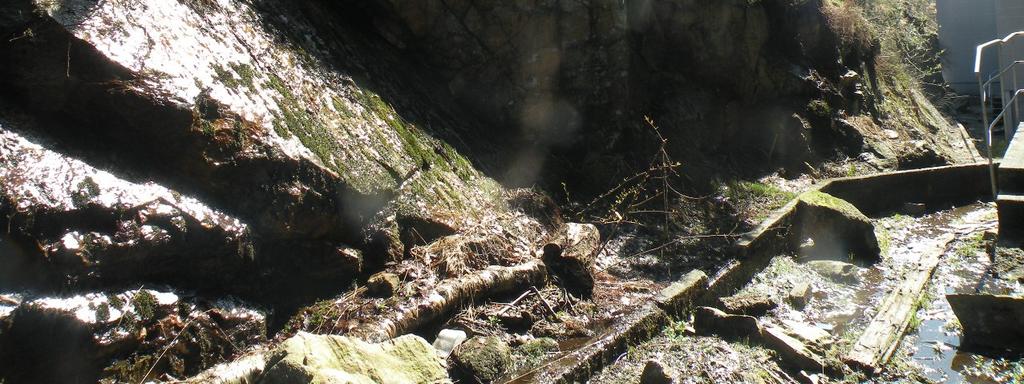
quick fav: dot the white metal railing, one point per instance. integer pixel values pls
(984, 89)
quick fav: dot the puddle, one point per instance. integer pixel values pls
(935, 345)
(964, 269)
(846, 309)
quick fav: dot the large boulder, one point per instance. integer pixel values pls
(308, 358)
(827, 227)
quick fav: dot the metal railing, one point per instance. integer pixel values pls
(984, 88)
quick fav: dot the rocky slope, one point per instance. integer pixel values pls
(284, 152)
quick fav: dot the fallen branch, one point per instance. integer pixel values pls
(449, 296)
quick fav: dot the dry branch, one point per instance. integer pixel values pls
(449, 296)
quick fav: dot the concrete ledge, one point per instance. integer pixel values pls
(938, 188)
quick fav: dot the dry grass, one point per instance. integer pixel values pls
(847, 20)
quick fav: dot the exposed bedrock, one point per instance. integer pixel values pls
(205, 98)
(125, 336)
(767, 84)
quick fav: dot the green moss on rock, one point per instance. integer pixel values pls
(483, 358)
(822, 199)
(309, 358)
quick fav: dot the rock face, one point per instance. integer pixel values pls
(247, 122)
(307, 358)
(92, 227)
(77, 336)
(837, 229)
(569, 80)
(483, 359)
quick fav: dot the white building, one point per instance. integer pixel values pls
(964, 24)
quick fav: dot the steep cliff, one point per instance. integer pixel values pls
(291, 152)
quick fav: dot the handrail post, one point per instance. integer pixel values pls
(1016, 111)
(1004, 101)
(988, 136)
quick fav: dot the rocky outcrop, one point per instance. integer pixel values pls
(90, 228)
(772, 82)
(205, 98)
(129, 336)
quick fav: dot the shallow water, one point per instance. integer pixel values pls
(935, 345)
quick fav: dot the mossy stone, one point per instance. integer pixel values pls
(483, 359)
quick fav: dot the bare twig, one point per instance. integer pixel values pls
(545, 301)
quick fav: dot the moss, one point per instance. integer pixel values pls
(485, 358)
(102, 313)
(970, 246)
(116, 301)
(756, 200)
(294, 119)
(130, 370)
(884, 239)
(819, 108)
(145, 305)
(87, 189)
(246, 75)
(823, 199)
(224, 76)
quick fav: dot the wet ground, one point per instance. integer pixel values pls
(930, 352)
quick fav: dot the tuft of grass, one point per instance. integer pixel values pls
(847, 21)
(756, 200)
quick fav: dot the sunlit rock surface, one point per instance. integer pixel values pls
(208, 98)
(90, 227)
(123, 336)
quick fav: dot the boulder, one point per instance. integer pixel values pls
(748, 304)
(306, 358)
(800, 295)
(571, 254)
(792, 351)
(707, 320)
(483, 359)
(383, 284)
(657, 373)
(836, 228)
(993, 321)
(836, 270)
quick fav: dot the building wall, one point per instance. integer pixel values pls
(963, 24)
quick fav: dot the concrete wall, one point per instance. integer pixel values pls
(963, 24)
(1010, 19)
(938, 188)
